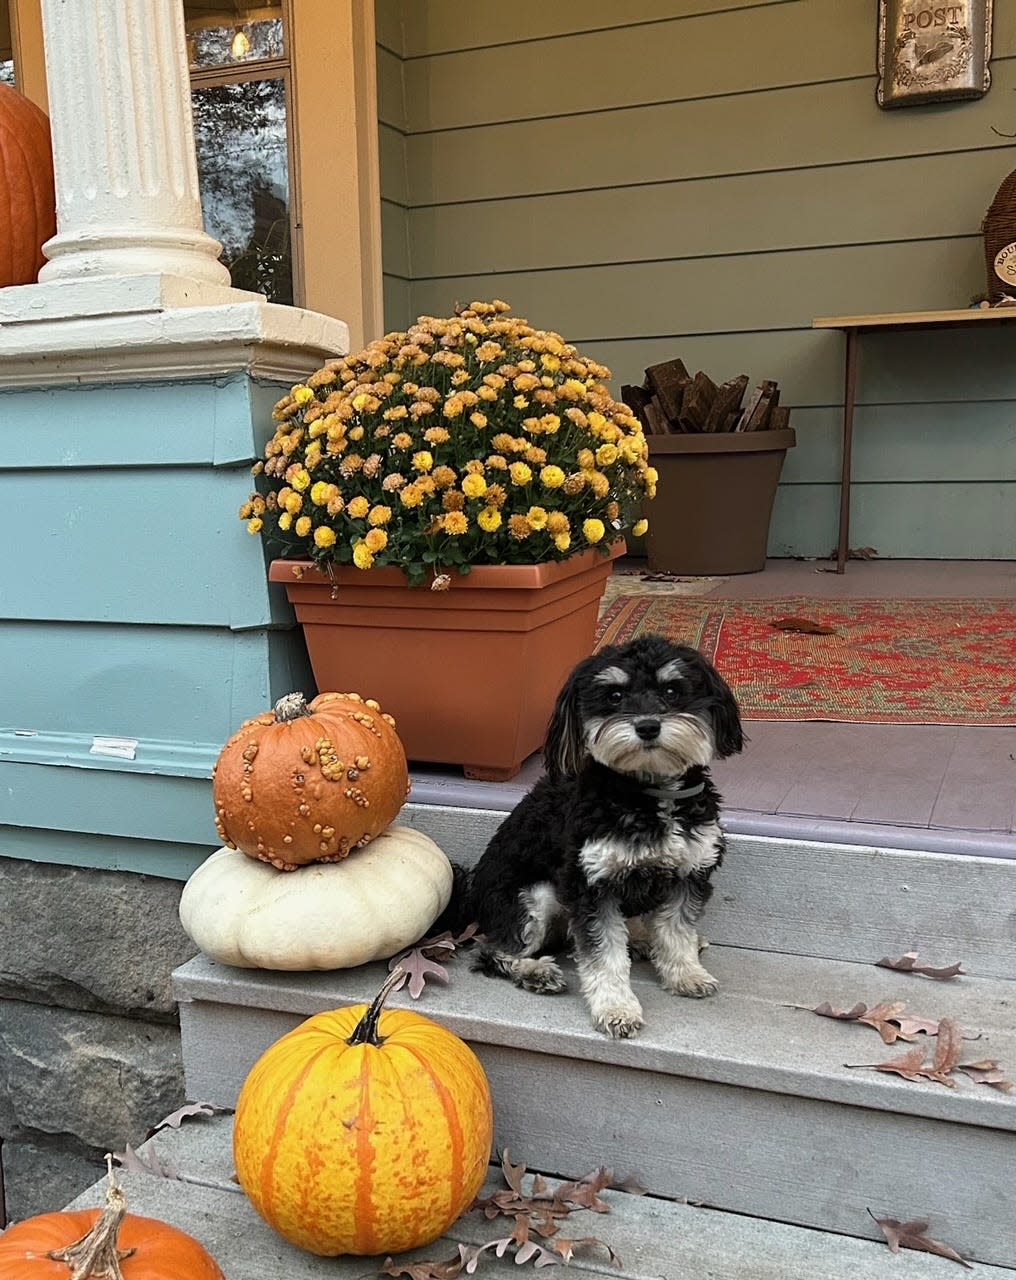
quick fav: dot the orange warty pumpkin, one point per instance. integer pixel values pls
(111, 1243)
(309, 783)
(27, 195)
(363, 1132)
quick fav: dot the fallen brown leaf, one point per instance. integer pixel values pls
(987, 1071)
(446, 1270)
(176, 1118)
(149, 1163)
(421, 962)
(907, 963)
(805, 625)
(909, 1065)
(910, 1235)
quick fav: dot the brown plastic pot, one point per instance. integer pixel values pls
(714, 500)
(470, 674)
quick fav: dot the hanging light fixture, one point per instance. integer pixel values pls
(241, 44)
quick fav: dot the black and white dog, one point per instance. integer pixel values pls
(624, 825)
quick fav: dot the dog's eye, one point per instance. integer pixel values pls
(614, 697)
(671, 691)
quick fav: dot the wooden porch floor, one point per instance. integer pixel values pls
(935, 787)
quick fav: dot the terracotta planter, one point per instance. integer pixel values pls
(714, 500)
(470, 674)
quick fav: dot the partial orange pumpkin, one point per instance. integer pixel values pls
(111, 1243)
(27, 193)
(364, 1131)
(308, 783)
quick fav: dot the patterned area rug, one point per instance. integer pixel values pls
(889, 662)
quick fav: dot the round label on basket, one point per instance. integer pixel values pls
(1005, 264)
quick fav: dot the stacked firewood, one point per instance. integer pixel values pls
(671, 400)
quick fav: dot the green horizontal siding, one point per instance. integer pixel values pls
(702, 180)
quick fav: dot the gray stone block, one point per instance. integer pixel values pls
(104, 1079)
(88, 939)
(40, 1176)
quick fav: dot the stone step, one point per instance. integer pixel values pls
(742, 1102)
(813, 898)
(654, 1238)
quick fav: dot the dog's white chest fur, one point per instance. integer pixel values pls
(677, 851)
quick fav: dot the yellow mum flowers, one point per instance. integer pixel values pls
(475, 439)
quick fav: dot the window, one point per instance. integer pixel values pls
(240, 71)
(6, 45)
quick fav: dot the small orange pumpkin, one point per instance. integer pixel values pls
(363, 1132)
(110, 1243)
(27, 195)
(306, 783)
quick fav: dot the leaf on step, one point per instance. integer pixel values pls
(513, 1173)
(907, 963)
(909, 1065)
(566, 1248)
(986, 1072)
(910, 1235)
(149, 1163)
(805, 625)
(947, 1053)
(446, 1270)
(883, 1017)
(176, 1118)
(421, 962)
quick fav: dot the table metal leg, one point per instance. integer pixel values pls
(849, 384)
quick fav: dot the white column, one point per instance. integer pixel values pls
(123, 144)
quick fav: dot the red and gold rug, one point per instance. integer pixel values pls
(889, 661)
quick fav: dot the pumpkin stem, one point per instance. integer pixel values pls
(366, 1029)
(96, 1255)
(291, 707)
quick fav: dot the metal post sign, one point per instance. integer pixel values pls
(931, 52)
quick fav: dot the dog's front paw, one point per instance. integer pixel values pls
(620, 1022)
(694, 981)
(542, 975)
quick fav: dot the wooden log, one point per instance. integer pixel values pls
(727, 400)
(698, 400)
(656, 419)
(636, 398)
(779, 418)
(668, 383)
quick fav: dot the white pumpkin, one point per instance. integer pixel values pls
(371, 905)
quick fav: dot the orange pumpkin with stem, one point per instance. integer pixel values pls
(364, 1131)
(27, 195)
(109, 1244)
(308, 783)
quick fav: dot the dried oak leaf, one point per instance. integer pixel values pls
(176, 1118)
(446, 1270)
(883, 1017)
(910, 1235)
(907, 963)
(805, 625)
(149, 1163)
(421, 962)
(987, 1071)
(911, 1065)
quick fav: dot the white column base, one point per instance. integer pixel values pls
(155, 326)
(86, 254)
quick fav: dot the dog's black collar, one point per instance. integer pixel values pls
(667, 788)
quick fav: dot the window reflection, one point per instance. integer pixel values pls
(226, 33)
(6, 45)
(243, 165)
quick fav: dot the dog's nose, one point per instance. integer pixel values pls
(647, 730)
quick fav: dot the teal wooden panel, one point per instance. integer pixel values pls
(174, 685)
(923, 197)
(946, 521)
(441, 26)
(111, 853)
(110, 802)
(140, 545)
(128, 425)
(798, 127)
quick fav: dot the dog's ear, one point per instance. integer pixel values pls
(565, 749)
(725, 713)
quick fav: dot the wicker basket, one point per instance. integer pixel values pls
(999, 228)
